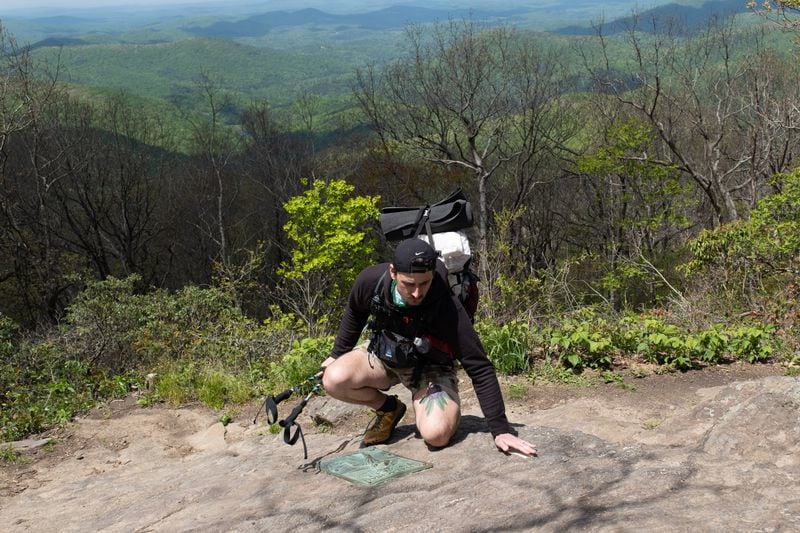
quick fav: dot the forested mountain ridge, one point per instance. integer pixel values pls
(395, 17)
(693, 16)
(233, 20)
(280, 54)
(168, 70)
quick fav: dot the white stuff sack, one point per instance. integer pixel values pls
(453, 248)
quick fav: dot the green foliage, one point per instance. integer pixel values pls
(177, 383)
(709, 345)
(9, 455)
(635, 201)
(667, 344)
(658, 342)
(328, 230)
(583, 342)
(765, 246)
(301, 362)
(101, 324)
(200, 346)
(226, 418)
(752, 343)
(331, 244)
(508, 289)
(219, 388)
(40, 388)
(586, 340)
(508, 346)
(114, 329)
(167, 70)
(214, 386)
(8, 332)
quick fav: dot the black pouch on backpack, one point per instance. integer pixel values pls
(394, 350)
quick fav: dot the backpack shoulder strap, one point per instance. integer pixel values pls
(378, 288)
(377, 307)
(424, 222)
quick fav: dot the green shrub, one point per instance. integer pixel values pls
(102, 323)
(657, 342)
(301, 362)
(710, 345)
(42, 388)
(667, 344)
(508, 346)
(752, 343)
(9, 455)
(218, 388)
(583, 341)
(757, 253)
(196, 340)
(8, 332)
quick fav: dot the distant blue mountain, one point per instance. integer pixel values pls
(692, 17)
(63, 19)
(392, 17)
(57, 42)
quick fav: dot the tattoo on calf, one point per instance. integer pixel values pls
(434, 396)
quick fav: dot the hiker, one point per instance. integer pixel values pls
(418, 328)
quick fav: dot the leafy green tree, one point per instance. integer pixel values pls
(630, 207)
(767, 246)
(331, 243)
(692, 89)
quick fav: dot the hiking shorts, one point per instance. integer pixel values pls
(443, 376)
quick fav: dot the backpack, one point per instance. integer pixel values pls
(442, 223)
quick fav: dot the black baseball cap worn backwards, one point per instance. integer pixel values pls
(414, 256)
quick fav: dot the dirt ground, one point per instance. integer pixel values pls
(705, 450)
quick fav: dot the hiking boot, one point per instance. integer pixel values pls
(380, 430)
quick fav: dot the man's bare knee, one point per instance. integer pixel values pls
(335, 379)
(437, 433)
(438, 438)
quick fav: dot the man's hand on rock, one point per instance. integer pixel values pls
(508, 443)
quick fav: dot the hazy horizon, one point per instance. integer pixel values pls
(64, 6)
(36, 7)
(83, 4)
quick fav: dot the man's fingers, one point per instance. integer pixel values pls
(511, 444)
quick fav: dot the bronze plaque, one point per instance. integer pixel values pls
(371, 466)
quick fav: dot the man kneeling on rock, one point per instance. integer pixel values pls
(418, 330)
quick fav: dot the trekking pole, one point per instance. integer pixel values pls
(289, 437)
(271, 406)
(271, 402)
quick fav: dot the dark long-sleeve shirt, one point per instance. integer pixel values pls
(449, 322)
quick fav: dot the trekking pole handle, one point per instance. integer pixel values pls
(282, 396)
(295, 412)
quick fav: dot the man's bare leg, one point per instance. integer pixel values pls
(438, 411)
(355, 378)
